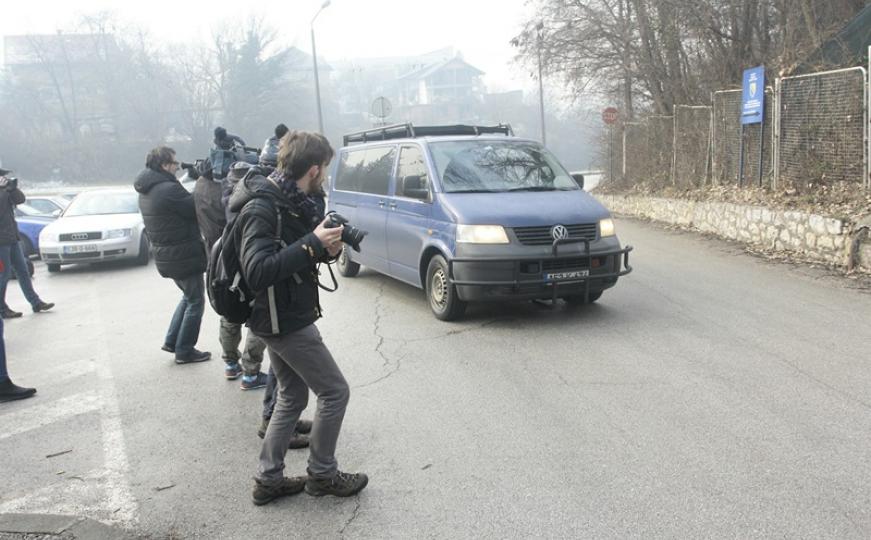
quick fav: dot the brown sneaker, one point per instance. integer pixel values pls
(341, 485)
(263, 493)
(298, 441)
(303, 426)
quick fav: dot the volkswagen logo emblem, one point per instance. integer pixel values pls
(559, 232)
(79, 236)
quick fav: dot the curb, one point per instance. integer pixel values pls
(78, 527)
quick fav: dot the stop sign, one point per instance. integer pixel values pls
(610, 115)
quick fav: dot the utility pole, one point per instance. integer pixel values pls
(315, 61)
(540, 28)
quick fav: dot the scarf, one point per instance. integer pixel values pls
(301, 202)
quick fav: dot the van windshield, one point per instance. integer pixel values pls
(476, 166)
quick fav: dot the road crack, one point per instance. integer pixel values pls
(352, 518)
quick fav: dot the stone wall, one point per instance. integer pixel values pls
(813, 236)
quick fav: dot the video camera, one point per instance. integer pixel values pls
(12, 183)
(350, 235)
(195, 166)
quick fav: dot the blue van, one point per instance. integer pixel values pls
(472, 214)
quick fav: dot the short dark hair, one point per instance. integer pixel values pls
(300, 150)
(158, 157)
(281, 130)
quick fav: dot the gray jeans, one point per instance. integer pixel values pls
(230, 337)
(301, 361)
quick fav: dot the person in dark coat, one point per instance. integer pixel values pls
(170, 217)
(11, 254)
(269, 152)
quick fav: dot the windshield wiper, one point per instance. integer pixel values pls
(477, 191)
(534, 188)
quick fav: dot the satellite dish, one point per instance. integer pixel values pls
(381, 107)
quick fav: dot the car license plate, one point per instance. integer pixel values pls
(83, 248)
(562, 276)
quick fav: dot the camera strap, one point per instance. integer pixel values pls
(332, 276)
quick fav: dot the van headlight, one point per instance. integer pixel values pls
(606, 227)
(119, 233)
(481, 234)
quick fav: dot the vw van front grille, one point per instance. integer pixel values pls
(541, 236)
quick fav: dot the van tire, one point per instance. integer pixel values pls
(441, 293)
(578, 299)
(347, 267)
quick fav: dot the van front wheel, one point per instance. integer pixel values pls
(442, 294)
(347, 267)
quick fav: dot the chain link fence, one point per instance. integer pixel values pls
(726, 155)
(647, 150)
(815, 132)
(822, 119)
(692, 139)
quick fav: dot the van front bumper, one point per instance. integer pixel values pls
(482, 273)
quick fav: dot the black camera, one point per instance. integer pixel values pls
(12, 183)
(350, 235)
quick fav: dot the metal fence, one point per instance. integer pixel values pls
(692, 145)
(726, 133)
(815, 132)
(822, 127)
(648, 150)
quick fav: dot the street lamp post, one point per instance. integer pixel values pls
(315, 60)
(540, 28)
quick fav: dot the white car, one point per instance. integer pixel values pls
(99, 225)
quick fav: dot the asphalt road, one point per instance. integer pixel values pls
(710, 394)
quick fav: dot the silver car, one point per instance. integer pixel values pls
(99, 225)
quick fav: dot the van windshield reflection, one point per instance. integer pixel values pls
(475, 166)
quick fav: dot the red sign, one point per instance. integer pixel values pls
(610, 115)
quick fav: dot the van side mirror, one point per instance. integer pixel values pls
(414, 187)
(579, 179)
(56, 213)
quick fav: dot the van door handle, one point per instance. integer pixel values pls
(393, 205)
(381, 204)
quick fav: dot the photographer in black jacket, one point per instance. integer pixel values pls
(170, 218)
(282, 269)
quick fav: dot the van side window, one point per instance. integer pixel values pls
(376, 170)
(350, 168)
(411, 163)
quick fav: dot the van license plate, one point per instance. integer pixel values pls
(86, 248)
(562, 276)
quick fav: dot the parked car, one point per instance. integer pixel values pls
(472, 213)
(47, 205)
(30, 223)
(99, 225)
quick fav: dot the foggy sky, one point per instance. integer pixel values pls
(480, 29)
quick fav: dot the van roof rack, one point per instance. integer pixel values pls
(407, 130)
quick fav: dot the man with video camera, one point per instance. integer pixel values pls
(280, 239)
(11, 255)
(170, 217)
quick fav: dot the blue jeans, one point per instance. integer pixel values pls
(12, 257)
(184, 329)
(3, 373)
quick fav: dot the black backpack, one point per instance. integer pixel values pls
(229, 294)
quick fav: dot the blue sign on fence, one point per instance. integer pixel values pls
(753, 96)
